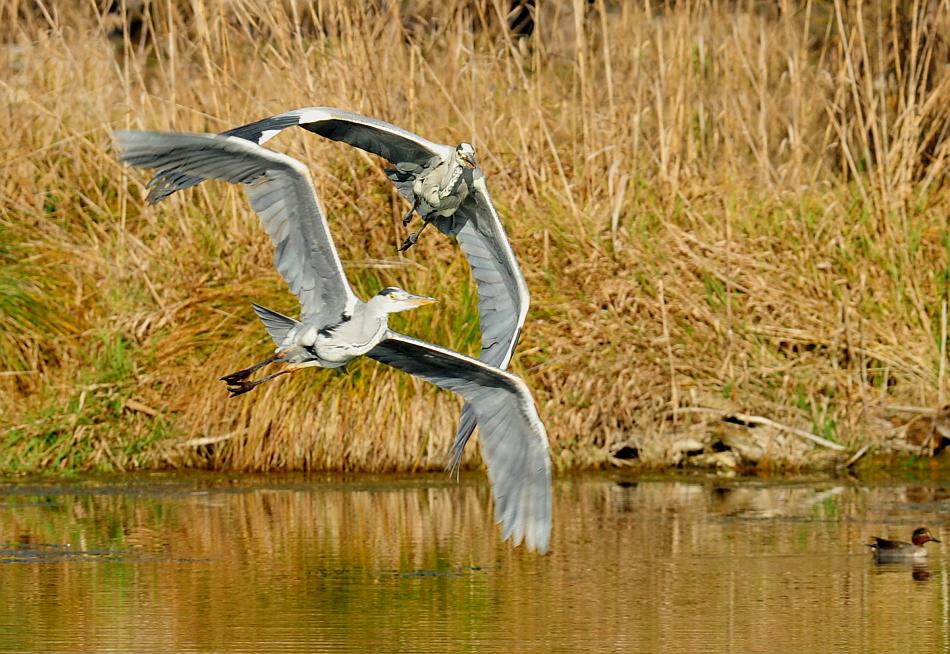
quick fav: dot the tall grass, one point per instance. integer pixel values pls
(734, 206)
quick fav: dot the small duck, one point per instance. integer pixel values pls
(890, 551)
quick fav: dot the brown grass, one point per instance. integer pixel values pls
(724, 206)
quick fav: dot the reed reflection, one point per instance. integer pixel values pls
(312, 565)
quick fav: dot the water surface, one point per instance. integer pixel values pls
(206, 563)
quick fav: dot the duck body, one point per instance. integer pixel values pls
(894, 551)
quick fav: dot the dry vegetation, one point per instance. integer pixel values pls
(719, 208)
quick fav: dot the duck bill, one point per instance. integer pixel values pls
(935, 540)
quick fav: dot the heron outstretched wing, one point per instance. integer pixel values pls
(390, 142)
(514, 442)
(502, 292)
(282, 195)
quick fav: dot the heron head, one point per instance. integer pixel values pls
(465, 155)
(392, 300)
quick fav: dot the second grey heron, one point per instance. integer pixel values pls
(442, 182)
(438, 188)
(335, 326)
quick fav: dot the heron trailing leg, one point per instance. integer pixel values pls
(408, 217)
(241, 387)
(236, 377)
(409, 242)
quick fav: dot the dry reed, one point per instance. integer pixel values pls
(730, 206)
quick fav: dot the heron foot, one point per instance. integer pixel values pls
(238, 387)
(409, 242)
(236, 377)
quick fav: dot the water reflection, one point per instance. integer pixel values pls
(918, 571)
(201, 563)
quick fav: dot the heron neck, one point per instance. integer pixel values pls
(375, 310)
(453, 178)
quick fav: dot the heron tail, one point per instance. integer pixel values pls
(277, 324)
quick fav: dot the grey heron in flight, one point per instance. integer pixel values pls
(442, 182)
(336, 326)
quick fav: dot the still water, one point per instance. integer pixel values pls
(199, 563)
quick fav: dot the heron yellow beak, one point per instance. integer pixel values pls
(422, 300)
